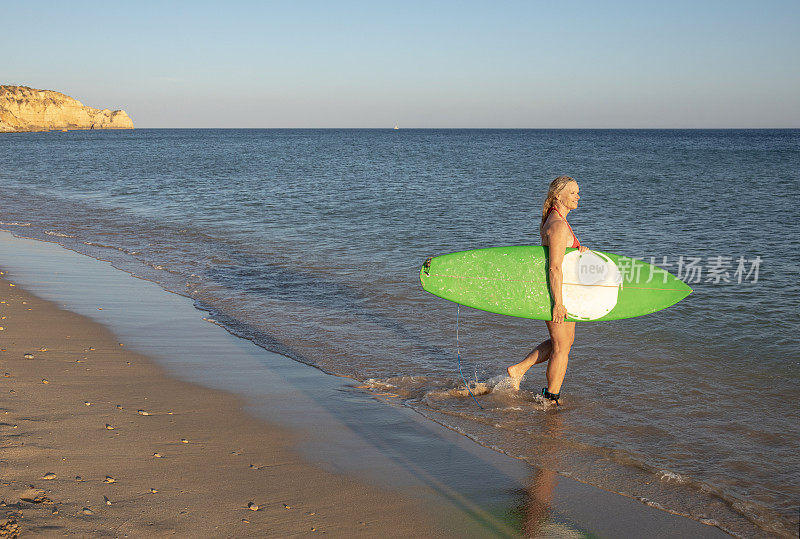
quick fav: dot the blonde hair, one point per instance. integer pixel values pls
(556, 186)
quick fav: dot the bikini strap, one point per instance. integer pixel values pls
(553, 207)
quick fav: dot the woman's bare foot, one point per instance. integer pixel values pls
(515, 375)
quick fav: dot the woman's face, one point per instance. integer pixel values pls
(569, 196)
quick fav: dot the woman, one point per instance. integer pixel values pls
(557, 235)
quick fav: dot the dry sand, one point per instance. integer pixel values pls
(98, 441)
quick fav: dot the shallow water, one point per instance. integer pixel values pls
(309, 242)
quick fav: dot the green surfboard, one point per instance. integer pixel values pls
(513, 281)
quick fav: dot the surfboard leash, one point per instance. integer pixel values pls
(458, 354)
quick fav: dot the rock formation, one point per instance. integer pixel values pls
(28, 109)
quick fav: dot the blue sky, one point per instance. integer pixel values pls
(527, 64)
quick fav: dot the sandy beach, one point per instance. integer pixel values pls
(100, 439)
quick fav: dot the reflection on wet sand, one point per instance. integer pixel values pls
(537, 509)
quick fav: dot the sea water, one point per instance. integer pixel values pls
(309, 243)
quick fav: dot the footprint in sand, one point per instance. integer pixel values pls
(34, 495)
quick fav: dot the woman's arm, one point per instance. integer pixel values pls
(557, 237)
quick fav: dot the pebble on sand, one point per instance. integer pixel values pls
(158, 455)
(252, 506)
(153, 491)
(45, 381)
(49, 476)
(105, 499)
(87, 511)
(142, 412)
(109, 479)
(109, 427)
(27, 356)
(87, 403)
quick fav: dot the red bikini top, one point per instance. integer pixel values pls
(575, 242)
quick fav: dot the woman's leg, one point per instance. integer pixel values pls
(562, 335)
(540, 354)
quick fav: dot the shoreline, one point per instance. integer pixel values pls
(437, 484)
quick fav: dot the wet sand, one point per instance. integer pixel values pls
(153, 455)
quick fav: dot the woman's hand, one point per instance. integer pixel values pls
(582, 248)
(559, 313)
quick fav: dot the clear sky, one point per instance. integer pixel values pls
(529, 64)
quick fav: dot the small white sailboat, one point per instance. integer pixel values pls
(396, 126)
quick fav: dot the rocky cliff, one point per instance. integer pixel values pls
(28, 109)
